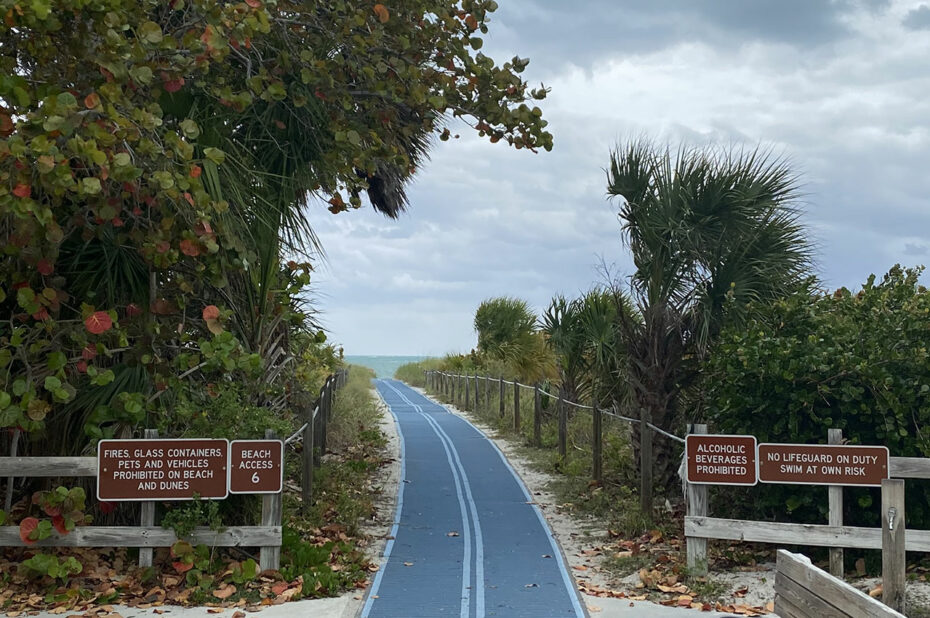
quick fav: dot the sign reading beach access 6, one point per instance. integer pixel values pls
(714, 459)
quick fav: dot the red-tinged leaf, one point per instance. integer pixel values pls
(91, 101)
(255, 4)
(171, 85)
(279, 587)
(211, 312)
(162, 246)
(116, 222)
(41, 315)
(81, 366)
(203, 228)
(382, 13)
(471, 22)
(6, 125)
(22, 190)
(59, 523)
(89, 352)
(133, 310)
(225, 592)
(189, 247)
(26, 527)
(182, 567)
(45, 267)
(98, 322)
(196, 171)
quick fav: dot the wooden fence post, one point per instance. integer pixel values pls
(502, 397)
(306, 486)
(325, 403)
(563, 428)
(270, 555)
(487, 393)
(516, 405)
(477, 407)
(467, 391)
(697, 506)
(597, 444)
(147, 514)
(452, 386)
(835, 499)
(645, 463)
(893, 533)
(537, 415)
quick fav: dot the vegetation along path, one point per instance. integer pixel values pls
(467, 539)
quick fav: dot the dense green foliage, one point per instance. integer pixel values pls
(704, 226)
(155, 161)
(858, 362)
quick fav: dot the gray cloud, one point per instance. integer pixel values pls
(918, 19)
(838, 87)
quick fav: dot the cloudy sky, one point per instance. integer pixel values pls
(840, 87)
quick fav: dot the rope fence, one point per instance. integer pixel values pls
(464, 389)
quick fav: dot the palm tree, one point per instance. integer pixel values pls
(710, 230)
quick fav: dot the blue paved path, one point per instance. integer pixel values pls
(466, 540)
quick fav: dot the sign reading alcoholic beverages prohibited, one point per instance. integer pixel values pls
(712, 459)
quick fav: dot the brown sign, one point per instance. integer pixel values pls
(162, 469)
(720, 460)
(822, 464)
(256, 466)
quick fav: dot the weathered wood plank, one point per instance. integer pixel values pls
(909, 467)
(893, 540)
(48, 466)
(153, 536)
(270, 554)
(806, 600)
(834, 591)
(147, 514)
(835, 512)
(696, 547)
(537, 416)
(797, 534)
(516, 406)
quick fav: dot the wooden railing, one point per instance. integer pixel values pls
(802, 590)
(146, 535)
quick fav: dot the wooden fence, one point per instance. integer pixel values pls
(892, 538)
(802, 590)
(464, 389)
(147, 535)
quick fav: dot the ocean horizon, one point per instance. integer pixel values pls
(383, 366)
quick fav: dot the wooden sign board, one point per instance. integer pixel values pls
(823, 464)
(256, 466)
(713, 459)
(134, 470)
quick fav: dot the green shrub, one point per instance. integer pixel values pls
(857, 362)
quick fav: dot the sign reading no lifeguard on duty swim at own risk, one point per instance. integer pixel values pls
(713, 459)
(823, 464)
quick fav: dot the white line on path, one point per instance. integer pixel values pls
(451, 452)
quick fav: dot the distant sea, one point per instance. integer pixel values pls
(384, 366)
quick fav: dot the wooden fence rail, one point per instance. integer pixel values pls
(146, 536)
(802, 590)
